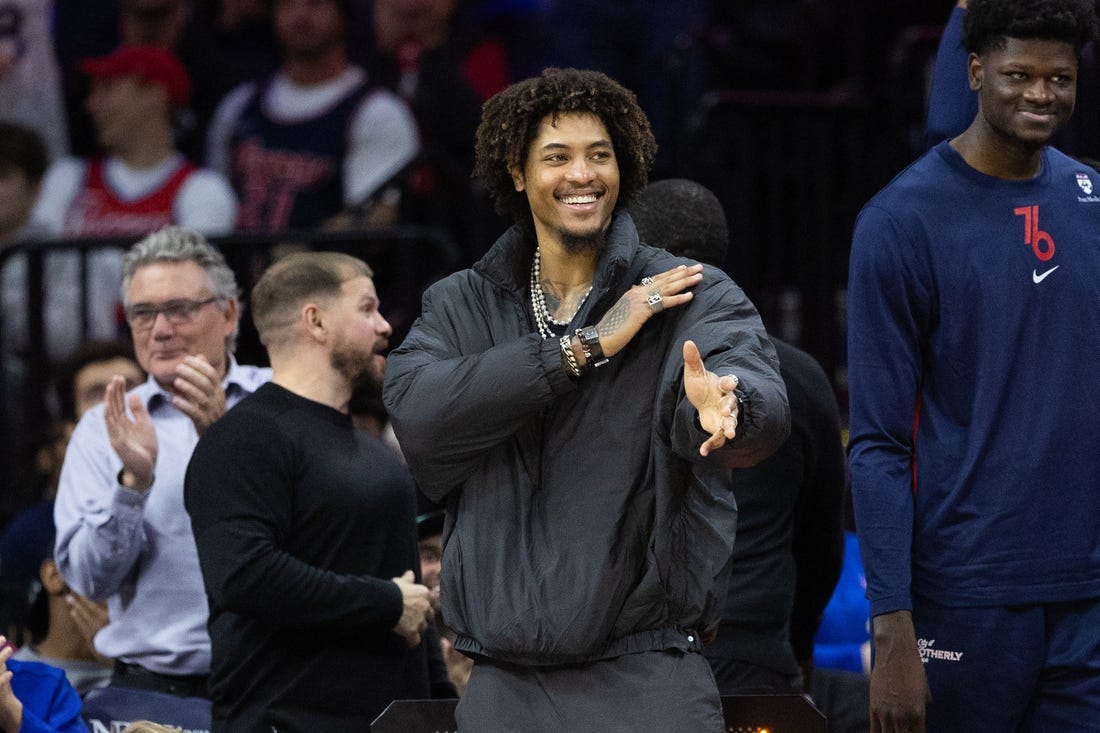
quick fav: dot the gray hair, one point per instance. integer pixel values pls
(179, 244)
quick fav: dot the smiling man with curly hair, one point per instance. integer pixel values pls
(576, 399)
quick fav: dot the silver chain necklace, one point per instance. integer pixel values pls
(538, 301)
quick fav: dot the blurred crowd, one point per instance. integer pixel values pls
(360, 113)
(260, 117)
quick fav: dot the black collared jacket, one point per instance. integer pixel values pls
(582, 523)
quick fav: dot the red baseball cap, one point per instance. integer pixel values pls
(152, 64)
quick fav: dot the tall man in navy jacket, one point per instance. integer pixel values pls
(974, 343)
(572, 398)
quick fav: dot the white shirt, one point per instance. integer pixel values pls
(384, 137)
(205, 201)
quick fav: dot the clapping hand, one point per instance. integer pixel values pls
(133, 438)
(198, 392)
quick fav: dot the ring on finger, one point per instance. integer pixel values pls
(655, 302)
(647, 280)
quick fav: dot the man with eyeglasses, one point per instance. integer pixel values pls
(122, 532)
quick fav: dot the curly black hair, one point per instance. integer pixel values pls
(510, 123)
(990, 22)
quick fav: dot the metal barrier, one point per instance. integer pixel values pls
(405, 260)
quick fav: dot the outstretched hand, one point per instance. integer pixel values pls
(713, 397)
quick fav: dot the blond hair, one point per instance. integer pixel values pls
(294, 280)
(148, 726)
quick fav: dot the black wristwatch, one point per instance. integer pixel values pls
(590, 345)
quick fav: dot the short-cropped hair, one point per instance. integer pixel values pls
(684, 217)
(296, 279)
(989, 23)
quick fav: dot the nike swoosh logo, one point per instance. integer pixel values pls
(1037, 278)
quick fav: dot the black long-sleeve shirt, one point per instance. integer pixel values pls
(300, 522)
(790, 542)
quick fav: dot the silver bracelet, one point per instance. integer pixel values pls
(568, 357)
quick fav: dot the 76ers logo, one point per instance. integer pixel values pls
(1042, 244)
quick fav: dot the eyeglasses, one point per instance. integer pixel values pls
(177, 312)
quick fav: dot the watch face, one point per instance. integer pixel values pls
(590, 344)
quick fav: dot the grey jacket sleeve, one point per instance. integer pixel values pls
(731, 338)
(452, 393)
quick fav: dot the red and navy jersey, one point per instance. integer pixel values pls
(98, 211)
(974, 350)
(290, 174)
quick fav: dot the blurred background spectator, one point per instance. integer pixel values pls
(36, 697)
(26, 542)
(318, 143)
(436, 58)
(30, 80)
(23, 161)
(140, 182)
(221, 43)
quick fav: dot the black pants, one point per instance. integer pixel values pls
(138, 678)
(651, 691)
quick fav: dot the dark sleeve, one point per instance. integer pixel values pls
(952, 105)
(818, 534)
(891, 295)
(450, 403)
(440, 681)
(731, 338)
(238, 493)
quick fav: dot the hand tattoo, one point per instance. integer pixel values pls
(614, 318)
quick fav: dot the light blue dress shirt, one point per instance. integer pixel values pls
(136, 549)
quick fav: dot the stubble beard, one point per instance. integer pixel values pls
(360, 371)
(587, 243)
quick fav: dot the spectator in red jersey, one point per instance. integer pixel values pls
(142, 182)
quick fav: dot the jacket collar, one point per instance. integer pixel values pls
(507, 264)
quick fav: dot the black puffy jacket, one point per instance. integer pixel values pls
(582, 521)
